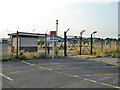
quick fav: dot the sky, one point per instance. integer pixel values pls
(39, 16)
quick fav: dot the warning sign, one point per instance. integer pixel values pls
(52, 33)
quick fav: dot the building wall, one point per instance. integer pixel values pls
(29, 49)
(0, 49)
(29, 41)
(4, 48)
(26, 43)
(15, 42)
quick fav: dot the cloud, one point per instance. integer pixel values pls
(85, 1)
(78, 12)
(95, 1)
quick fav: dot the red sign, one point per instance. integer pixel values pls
(52, 33)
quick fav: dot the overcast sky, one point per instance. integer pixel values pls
(41, 15)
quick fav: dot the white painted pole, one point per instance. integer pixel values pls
(53, 49)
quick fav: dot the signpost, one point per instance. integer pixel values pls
(53, 33)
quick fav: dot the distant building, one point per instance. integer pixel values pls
(27, 41)
(4, 45)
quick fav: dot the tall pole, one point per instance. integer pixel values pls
(91, 44)
(65, 47)
(17, 44)
(56, 35)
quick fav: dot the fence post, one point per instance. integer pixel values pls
(102, 45)
(17, 44)
(45, 44)
(110, 44)
(91, 44)
(65, 37)
(11, 44)
(80, 44)
(48, 49)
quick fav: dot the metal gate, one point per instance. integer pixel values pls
(75, 46)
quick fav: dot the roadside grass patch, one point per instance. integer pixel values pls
(23, 56)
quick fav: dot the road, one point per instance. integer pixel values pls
(59, 73)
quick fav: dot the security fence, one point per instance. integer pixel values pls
(70, 45)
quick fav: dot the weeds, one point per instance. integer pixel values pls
(24, 56)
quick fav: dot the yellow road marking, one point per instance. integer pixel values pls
(54, 63)
(28, 63)
(100, 83)
(92, 80)
(49, 69)
(85, 79)
(98, 74)
(77, 77)
(49, 63)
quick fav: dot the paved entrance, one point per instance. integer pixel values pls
(59, 73)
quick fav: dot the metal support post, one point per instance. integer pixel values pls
(80, 45)
(53, 49)
(65, 47)
(91, 44)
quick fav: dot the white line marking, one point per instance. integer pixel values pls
(6, 77)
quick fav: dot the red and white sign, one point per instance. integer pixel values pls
(52, 33)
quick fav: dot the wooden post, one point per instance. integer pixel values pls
(17, 44)
(45, 44)
(11, 44)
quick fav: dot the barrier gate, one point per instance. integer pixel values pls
(73, 46)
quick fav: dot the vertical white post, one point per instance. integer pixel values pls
(53, 49)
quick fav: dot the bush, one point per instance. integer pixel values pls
(9, 57)
(13, 57)
(99, 53)
(42, 55)
(24, 56)
(113, 55)
(21, 55)
(29, 55)
(6, 57)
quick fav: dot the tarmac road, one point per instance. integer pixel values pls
(59, 73)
